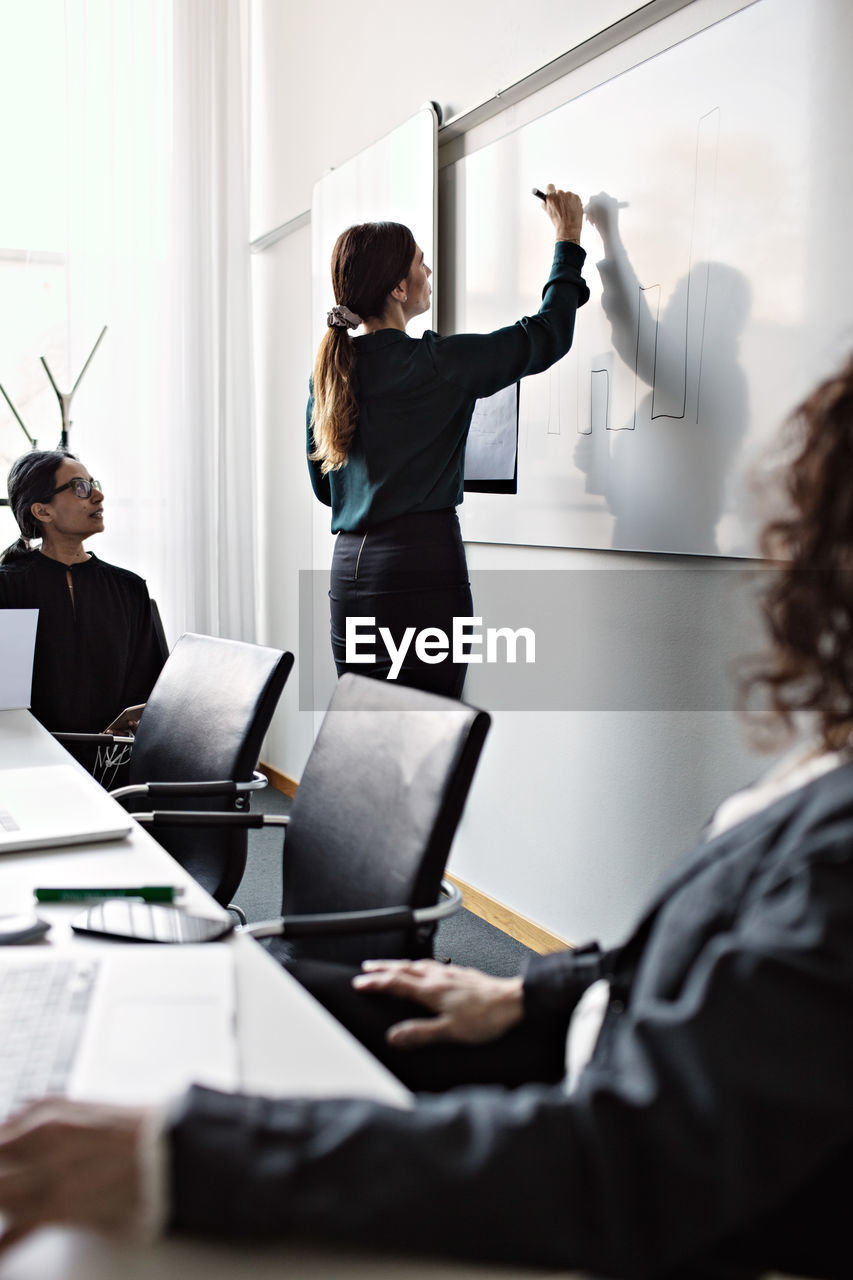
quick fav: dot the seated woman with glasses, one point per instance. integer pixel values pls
(97, 648)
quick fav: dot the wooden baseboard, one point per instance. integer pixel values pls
(280, 781)
(489, 909)
(503, 917)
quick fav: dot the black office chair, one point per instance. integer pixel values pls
(371, 825)
(197, 746)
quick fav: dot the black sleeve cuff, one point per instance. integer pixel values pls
(554, 983)
(567, 266)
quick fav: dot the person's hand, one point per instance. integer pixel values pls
(73, 1163)
(565, 210)
(602, 210)
(469, 1007)
(126, 721)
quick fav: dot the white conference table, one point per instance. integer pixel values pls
(289, 1045)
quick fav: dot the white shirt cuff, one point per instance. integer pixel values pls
(152, 1155)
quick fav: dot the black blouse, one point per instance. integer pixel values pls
(96, 653)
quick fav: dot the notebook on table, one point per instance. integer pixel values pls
(128, 1024)
(56, 805)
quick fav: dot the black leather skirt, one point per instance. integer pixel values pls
(409, 575)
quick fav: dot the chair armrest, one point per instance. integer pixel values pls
(208, 818)
(350, 922)
(225, 787)
(111, 738)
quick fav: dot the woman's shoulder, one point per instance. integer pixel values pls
(809, 790)
(19, 563)
(20, 587)
(383, 339)
(124, 577)
(385, 357)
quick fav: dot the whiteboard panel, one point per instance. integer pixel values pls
(393, 180)
(729, 292)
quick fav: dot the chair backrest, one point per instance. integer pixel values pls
(205, 720)
(376, 810)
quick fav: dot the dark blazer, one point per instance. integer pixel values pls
(710, 1135)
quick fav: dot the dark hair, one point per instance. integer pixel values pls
(368, 261)
(32, 478)
(808, 604)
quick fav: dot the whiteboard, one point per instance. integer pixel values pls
(731, 289)
(393, 180)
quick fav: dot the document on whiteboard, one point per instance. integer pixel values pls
(492, 450)
(17, 647)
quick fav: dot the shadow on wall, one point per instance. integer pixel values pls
(663, 471)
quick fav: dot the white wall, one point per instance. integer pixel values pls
(281, 281)
(573, 813)
(329, 79)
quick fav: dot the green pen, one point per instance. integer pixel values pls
(145, 893)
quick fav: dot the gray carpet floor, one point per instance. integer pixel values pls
(464, 938)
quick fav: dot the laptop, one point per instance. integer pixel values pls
(122, 1024)
(56, 805)
(17, 648)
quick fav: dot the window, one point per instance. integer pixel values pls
(32, 228)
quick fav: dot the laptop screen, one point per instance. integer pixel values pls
(17, 646)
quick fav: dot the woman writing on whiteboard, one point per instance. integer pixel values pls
(388, 417)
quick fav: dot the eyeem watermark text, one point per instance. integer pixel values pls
(467, 643)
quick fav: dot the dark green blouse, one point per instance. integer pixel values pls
(416, 397)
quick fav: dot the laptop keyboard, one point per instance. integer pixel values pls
(42, 1016)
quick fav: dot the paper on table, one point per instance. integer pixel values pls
(17, 646)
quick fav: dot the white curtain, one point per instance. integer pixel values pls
(158, 250)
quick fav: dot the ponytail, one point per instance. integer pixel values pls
(16, 551)
(368, 261)
(335, 413)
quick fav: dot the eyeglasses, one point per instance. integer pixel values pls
(82, 488)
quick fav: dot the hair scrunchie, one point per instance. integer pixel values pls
(342, 318)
